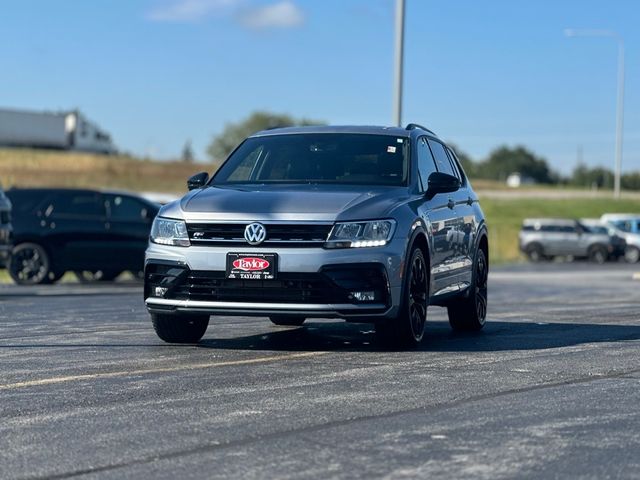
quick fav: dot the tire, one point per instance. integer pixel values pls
(88, 276)
(407, 329)
(632, 254)
(285, 320)
(30, 264)
(469, 314)
(598, 254)
(535, 253)
(180, 328)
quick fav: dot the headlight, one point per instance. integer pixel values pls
(169, 232)
(361, 234)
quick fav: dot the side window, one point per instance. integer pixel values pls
(84, 204)
(127, 209)
(457, 169)
(426, 165)
(442, 160)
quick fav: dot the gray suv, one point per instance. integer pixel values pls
(367, 224)
(546, 238)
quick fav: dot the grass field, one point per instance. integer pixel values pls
(35, 168)
(505, 209)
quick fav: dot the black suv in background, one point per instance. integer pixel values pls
(5, 229)
(59, 230)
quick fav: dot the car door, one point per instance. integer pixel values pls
(452, 265)
(438, 214)
(73, 224)
(570, 244)
(466, 203)
(128, 228)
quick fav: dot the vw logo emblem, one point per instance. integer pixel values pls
(255, 233)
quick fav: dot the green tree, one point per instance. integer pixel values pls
(468, 165)
(234, 133)
(504, 161)
(631, 181)
(584, 176)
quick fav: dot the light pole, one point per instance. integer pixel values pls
(399, 54)
(620, 97)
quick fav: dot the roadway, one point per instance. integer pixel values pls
(549, 389)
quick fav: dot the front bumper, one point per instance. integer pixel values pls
(310, 283)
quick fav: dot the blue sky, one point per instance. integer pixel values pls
(155, 73)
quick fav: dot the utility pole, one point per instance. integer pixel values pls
(569, 32)
(399, 57)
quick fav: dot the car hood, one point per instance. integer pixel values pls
(288, 203)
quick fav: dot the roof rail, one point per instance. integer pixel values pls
(413, 126)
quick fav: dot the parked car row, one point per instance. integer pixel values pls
(611, 237)
(97, 234)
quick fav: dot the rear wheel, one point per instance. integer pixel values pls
(286, 320)
(632, 254)
(598, 254)
(407, 329)
(535, 253)
(469, 313)
(180, 328)
(30, 264)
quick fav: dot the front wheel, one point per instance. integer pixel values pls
(30, 264)
(180, 328)
(407, 329)
(470, 313)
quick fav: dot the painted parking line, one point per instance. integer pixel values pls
(146, 371)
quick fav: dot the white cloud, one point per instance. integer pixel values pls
(283, 14)
(189, 10)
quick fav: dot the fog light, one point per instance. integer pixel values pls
(364, 296)
(160, 291)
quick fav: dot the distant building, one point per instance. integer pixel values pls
(516, 180)
(61, 130)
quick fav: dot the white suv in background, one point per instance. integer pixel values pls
(627, 226)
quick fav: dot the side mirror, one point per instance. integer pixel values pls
(198, 180)
(441, 183)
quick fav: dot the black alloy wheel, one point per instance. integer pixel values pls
(417, 297)
(407, 329)
(29, 264)
(469, 313)
(481, 283)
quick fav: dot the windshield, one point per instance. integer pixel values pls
(335, 158)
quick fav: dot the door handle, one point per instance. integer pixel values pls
(451, 204)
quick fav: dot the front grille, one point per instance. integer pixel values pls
(282, 234)
(333, 285)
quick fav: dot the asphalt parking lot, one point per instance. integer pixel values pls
(550, 389)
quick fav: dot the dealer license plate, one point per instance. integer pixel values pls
(252, 266)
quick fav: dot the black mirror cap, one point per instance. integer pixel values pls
(198, 180)
(440, 182)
